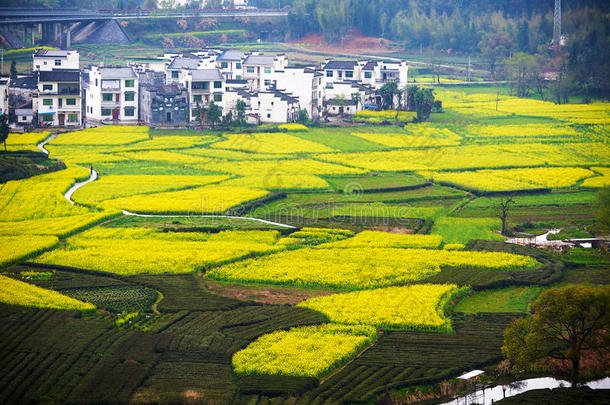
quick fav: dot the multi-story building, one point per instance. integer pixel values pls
(305, 84)
(59, 87)
(230, 64)
(260, 70)
(164, 104)
(204, 86)
(112, 95)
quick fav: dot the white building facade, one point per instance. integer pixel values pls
(112, 95)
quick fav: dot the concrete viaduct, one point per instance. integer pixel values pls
(54, 24)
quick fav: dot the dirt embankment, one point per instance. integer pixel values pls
(354, 42)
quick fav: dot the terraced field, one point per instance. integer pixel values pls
(242, 254)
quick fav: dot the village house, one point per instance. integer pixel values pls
(204, 86)
(59, 87)
(305, 84)
(164, 104)
(112, 95)
(4, 89)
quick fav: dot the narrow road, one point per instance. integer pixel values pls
(78, 185)
(264, 221)
(42, 144)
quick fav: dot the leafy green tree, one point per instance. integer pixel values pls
(303, 117)
(213, 115)
(523, 37)
(421, 100)
(388, 91)
(566, 322)
(227, 120)
(240, 118)
(13, 70)
(357, 98)
(4, 129)
(523, 69)
(496, 48)
(504, 209)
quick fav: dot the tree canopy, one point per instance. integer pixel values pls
(566, 322)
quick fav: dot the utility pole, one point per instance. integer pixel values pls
(557, 23)
(2, 72)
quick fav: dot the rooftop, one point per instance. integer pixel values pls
(117, 73)
(370, 65)
(51, 53)
(166, 89)
(261, 60)
(181, 62)
(25, 82)
(207, 74)
(340, 64)
(60, 75)
(231, 56)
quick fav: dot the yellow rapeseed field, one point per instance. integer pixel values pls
(293, 126)
(142, 250)
(375, 239)
(194, 201)
(59, 226)
(280, 181)
(273, 142)
(40, 196)
(104, 135)
(309, 351)
(415, 307)
(598, 181)
(512, 179)
(25, 141)
(13, 248)
(15, 292)
(281, 167)
(360, 268)
(110, 186)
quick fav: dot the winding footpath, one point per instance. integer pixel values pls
(76, 186)
(42, 144)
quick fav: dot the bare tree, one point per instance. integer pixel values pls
(503, 213)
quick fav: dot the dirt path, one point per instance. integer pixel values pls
(125, 212)
(42, 144)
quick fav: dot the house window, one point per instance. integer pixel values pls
(238, 65)
(129, 83)
(47, 101)
(70, 101)
(250, 69)
(130, 111)
(329, 73)
(267, 70)
(57, 62)
(238, 77)
(106, 96)
(129, 96)
(47, 87)
(106, 112)
(329, 85)
(72, 117)
(197, 97)
(24, 118)
(268, 115)
(267, 82)
(217, 97)
(174, 74)
(224, 65)
(96, 82)
(368, 75)
(218, 85)
(349, 73)
(339, 74)
(47, 117)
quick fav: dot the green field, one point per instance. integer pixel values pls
(227, 233)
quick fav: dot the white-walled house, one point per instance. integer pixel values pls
(260, 70)
(59, 87)
(305, 84)
(50, 59)
(112, 95)
(4, 86)
(274, 106)
(204, 86)
(230, 64)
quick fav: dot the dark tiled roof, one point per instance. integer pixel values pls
(207, 74)
(183, 63)
(50, 53)
(370, 65)
(231, 56)
(340, 65)
(284, 96)
(25, 82)
(235, 81)
(166, 89)
(339, 102)
(60, 75)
